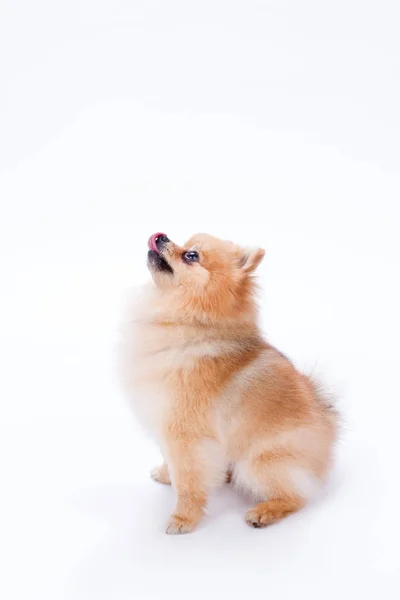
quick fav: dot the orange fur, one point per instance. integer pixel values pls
(220, 401)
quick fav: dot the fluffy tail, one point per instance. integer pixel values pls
(326, 400)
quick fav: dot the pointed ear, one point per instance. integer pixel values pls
(250, 258)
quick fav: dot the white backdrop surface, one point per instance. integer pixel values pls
(270, 123)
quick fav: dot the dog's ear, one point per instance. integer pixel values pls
(250, 258)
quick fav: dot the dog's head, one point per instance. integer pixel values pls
(208, 277)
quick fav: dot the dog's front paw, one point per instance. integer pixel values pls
(161, 474)
(179, 524)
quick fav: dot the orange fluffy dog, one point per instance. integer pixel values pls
(218, 399)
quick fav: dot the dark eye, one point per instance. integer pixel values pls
(191, 256)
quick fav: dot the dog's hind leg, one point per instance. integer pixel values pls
(281, 481)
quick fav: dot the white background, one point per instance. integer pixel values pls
(274, 123)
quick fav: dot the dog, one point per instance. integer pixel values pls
(219, 400)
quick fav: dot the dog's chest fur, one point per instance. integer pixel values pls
(153, 353)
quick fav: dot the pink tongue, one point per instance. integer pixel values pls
(152, 241)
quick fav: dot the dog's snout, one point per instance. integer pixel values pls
(157, 241)
(161, 240)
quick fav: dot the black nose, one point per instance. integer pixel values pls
(161, 240)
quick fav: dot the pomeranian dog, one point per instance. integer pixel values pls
(219, 400)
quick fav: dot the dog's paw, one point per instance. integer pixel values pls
(266, 513)
(161, 475)
(256, 519)
(177, 525)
